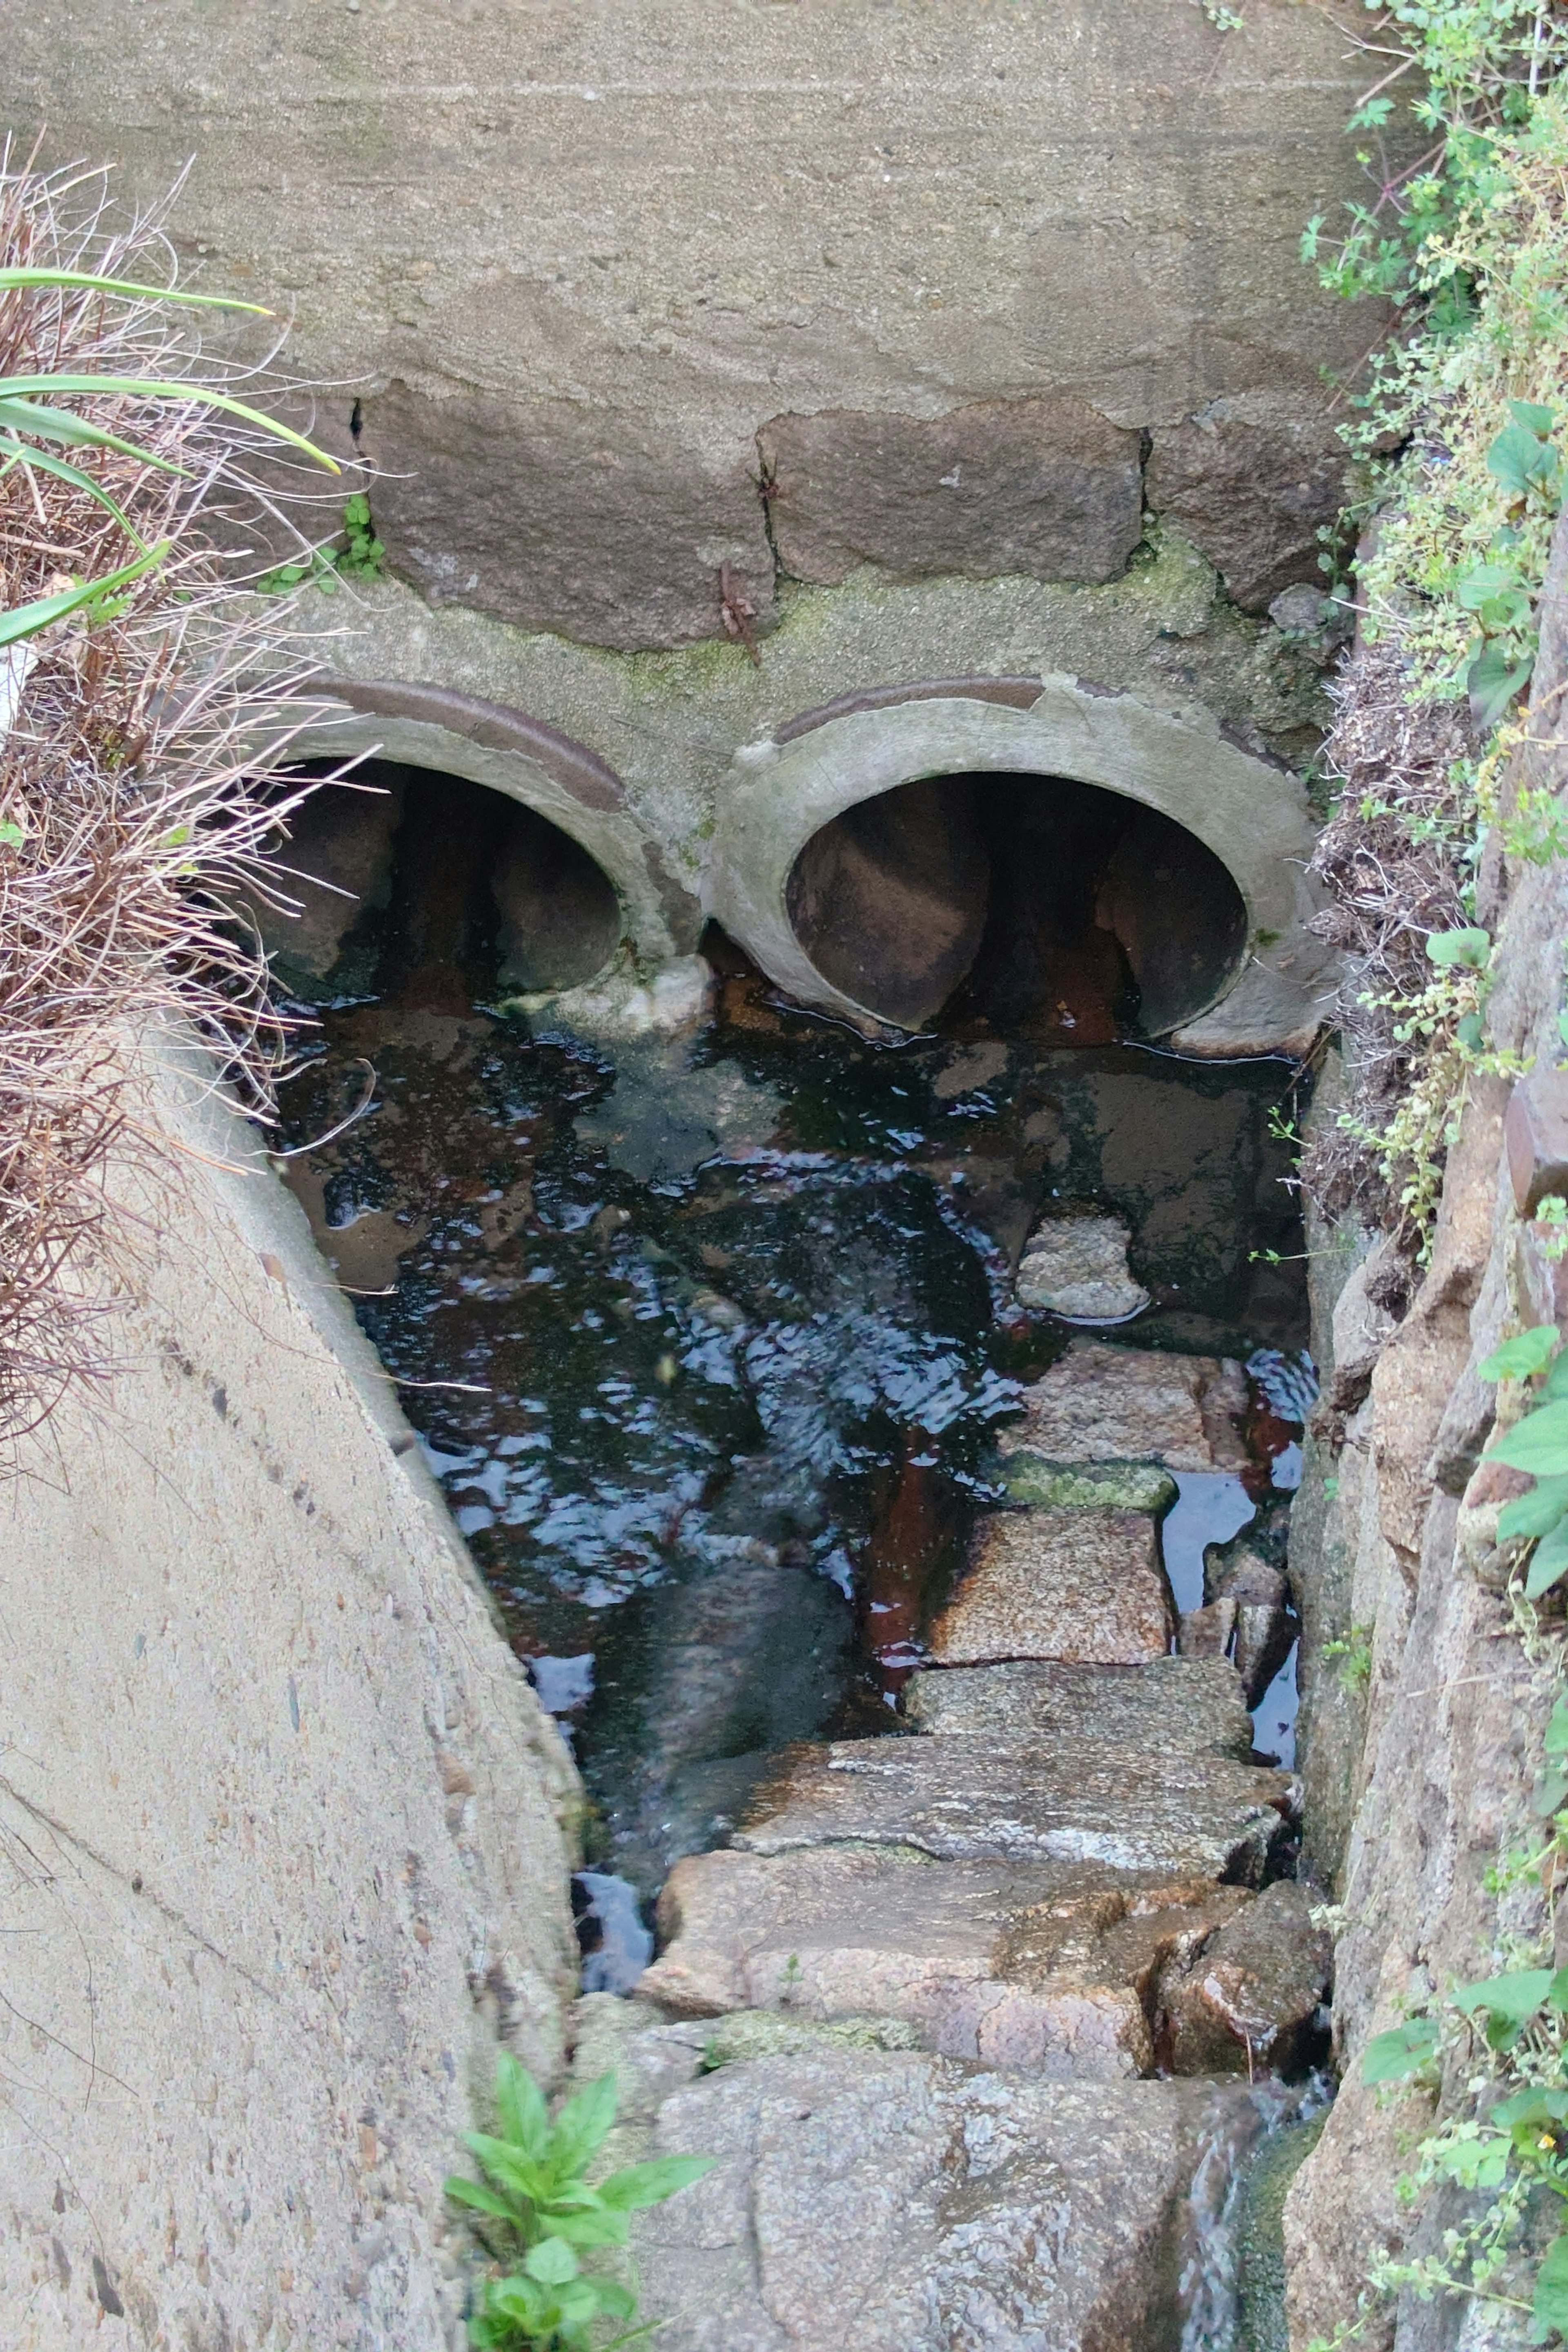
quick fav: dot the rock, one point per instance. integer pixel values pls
(1045, 1968)
(1077, 1267)
(587, 518)
(1237, 1575)
(1207, 1632)
(1084, 1586)
(1176, 1705)
(1258, 1983)
(1044, 487)
(560, 920)
(1090, 1485)
(1535, 1138)
(339, 857)
(969, 1799)
(1250, 479)
(908, 2203)
(1100, 1403)
(622, 1005)
(772, 2033)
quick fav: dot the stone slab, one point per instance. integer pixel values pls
(1049, 1969)
(910, 2203)
(966, 1799)
(1099, 1403)
(1047, 488)
(1174, 1705)
(1030, 1478)
(1077, 1267)
(1087, 1586)
(1251, 480)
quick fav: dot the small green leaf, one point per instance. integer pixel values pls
(1539, 1443)
(1531, 415)
(1555, 1384)
(1536, 1514)
(1495, 679)
(1470, 948)
(1549, 1794)
(483, 2199)
(580, 2125)
(12, 836)
(551, 2262)
(524, 2117)
(1510, 2001)
(1521, 461)
(589, 2229)
(1402, 2049)
(1550, 2308)
(650, 2184)
(1554, 1739)
(1518, 1357)
(1547, 1562)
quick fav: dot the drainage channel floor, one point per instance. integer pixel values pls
(710, 1342)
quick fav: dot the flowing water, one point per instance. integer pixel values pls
(708, 1342)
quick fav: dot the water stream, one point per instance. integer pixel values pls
(708, 1341)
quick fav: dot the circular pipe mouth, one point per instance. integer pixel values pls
(1035, 903)
(414, 872)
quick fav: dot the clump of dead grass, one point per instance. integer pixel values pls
(133, 821)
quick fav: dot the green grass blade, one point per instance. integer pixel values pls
(27, 620)
(147, 388)
(61, 425)
(84, 280)
(15, 453)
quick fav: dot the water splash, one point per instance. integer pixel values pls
(1211, 2281)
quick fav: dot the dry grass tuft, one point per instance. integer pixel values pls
(132, 823)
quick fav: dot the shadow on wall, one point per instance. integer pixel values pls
(421, 881)
(1032, 903)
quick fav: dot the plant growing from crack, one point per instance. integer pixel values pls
(534, 2208)
(362, 556)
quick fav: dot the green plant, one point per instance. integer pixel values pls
(534, 2207)
(1355, 1654)
(361, 557)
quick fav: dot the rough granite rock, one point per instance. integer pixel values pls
(1174, 1705)
(970, 1799)
(906, 2204)
(1099, 1403)
(1087, 1586)
(1041, 487)
(1259, 1983)
(1049, 1969)
(1077, 1267)
(1250, 478)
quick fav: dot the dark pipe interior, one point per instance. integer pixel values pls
(1031, 904)
(445, 877)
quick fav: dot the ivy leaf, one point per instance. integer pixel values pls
(1548, 1563)
(1539, 1443)
(1518, 1357)
(1550, 2308)
(1536, 1514)
(1470, 948)
(1390, 2057)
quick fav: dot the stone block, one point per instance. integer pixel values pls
(1044, 487)
(1084, 1586)
(556, 516)
(1535, 1137)
(1077, 1267)
(1255, 1985)
(1176, 1705)
(1250, 479)
(970, 1799)
(1098, 1402)
(910, 2203)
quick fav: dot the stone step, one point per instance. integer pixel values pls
(1084, 1586)
(1103, 1404)
(1187, 1705)
(1045, 1970)
(905, 2202)
(967, 1797)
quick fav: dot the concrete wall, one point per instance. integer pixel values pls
(284, 1834)
(634, 288)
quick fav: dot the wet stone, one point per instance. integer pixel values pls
(1259, 1982)
(1079, 1801)
(1031, 1480)
(1174, 1704)
(1085, 1586)
(1099, 1403)
(1053, 1970)
(1077, 1267)
(911, 2204)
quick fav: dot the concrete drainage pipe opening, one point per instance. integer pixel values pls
(1037, 904)
(448, 885)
